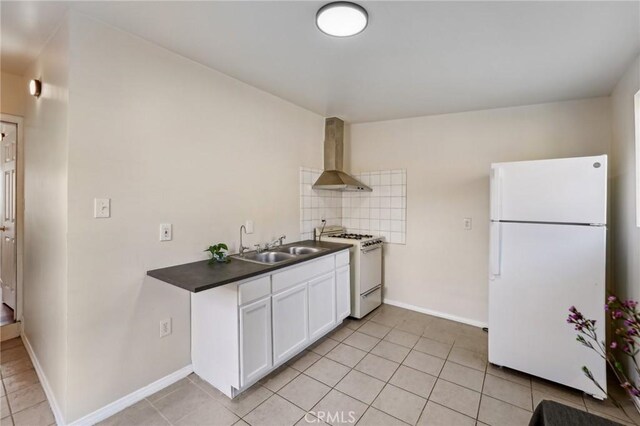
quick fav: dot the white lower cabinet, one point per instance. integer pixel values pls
(343, 292)
(242, 331)
(322, 304)
(290, 322)
(255, 340)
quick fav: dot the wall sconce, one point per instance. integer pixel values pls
(35, 88)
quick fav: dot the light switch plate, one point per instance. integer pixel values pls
(101, 208)
(249, 226)
(166, 232)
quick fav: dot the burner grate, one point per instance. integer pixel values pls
(353, 236)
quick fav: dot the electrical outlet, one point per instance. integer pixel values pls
(468, 224)
(248, 226)
(166, 232)
(165, 327)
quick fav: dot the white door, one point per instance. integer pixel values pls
(8, 232)
(290, 322)
(343, 292)
(322, 305)
(569, 190)
(255, 340)
(540, 271)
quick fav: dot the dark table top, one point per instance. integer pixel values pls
(199, 276)
(552, 413)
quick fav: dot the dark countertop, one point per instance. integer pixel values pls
(200, 276)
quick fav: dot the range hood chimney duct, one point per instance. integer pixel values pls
(334, 178)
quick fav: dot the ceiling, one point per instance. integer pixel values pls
(414, 58)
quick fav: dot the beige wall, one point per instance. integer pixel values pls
(625, 233)
(13, 93)
(169, 141)
(444, 268)
(45, 245)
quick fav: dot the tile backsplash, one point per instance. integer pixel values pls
(381, 212)
(316, 205)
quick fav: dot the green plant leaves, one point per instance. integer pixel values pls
(217, 252)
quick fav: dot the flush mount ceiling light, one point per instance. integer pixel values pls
(342, 19)
(35, 88)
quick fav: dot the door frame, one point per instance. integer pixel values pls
(19, 210)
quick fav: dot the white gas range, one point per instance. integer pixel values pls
(365, 265)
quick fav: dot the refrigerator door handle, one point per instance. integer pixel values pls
(496, 193)
(496, 250)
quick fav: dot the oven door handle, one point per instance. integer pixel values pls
(376, 288)
(367, 250)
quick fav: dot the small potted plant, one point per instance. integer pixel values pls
(218, 253)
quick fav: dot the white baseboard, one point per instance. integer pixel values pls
(135, 396)
(57, 412)
(109, 409)
(435, 313)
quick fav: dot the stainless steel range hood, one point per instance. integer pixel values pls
(333, 178)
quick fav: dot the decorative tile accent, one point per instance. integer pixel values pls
(382, 212)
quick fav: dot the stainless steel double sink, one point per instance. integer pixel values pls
(278, 255)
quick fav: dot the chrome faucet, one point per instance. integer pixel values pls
(242, 247)
(275, 243)
(316, 236)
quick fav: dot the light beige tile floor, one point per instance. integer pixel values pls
(393, 367)
(23, 399)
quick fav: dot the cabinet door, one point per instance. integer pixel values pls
(343, 292)
(255, 340)
(290, 322)
(322, 304)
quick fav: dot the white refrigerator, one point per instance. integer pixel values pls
(548, 251)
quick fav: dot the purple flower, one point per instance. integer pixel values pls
(627, 334)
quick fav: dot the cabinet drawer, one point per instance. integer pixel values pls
(253, 290)
(302, 273)
(342, 258)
